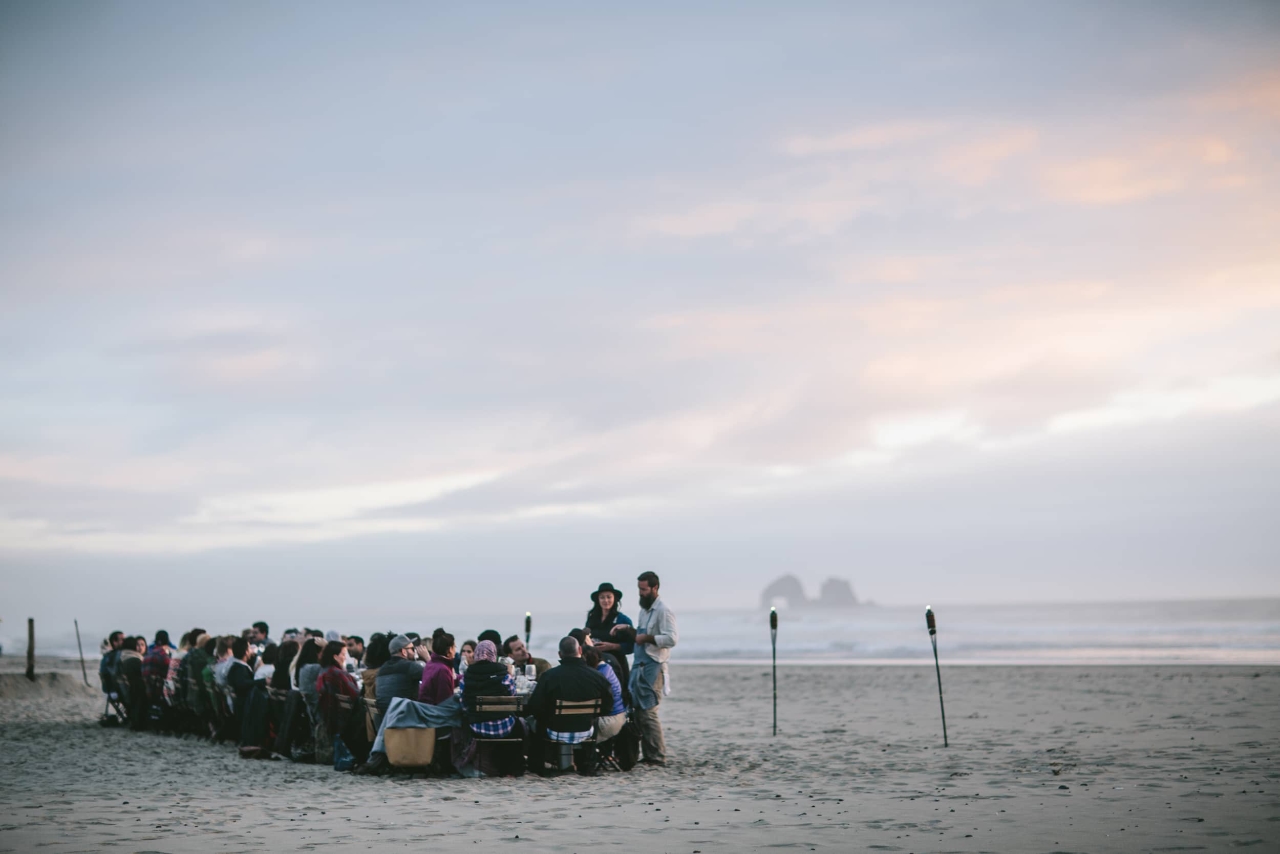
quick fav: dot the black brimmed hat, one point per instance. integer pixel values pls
(607, 588)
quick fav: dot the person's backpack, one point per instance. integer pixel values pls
(626, 744)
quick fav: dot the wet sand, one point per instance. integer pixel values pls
(1046, 759)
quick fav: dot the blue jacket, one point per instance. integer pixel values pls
(107, 672)
(607, 672)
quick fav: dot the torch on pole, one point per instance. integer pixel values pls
(773, 631)
(528, 627)
(933, 638)
(83, 671)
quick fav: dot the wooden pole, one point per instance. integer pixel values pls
(83, 671)
(933, 638)
(773, 631)
(31, 648)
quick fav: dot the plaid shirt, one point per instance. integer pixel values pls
(570, 737)
(502, 727)
(155, 671)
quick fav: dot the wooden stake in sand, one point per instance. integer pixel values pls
(773, 631)
(83, 671)
(528, 627)
(933, 638)
(31, 648)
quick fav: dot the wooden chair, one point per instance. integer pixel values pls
(370, 710)
(294, 724)
(277, 699)
(504, 706)
(508, 705)
(347, 705)
(572, 709)
(578, 708)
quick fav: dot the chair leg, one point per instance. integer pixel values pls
(534, 751)
(589, 761)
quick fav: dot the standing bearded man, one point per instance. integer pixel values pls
(655, 636)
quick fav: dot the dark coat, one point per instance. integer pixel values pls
(240, 681)
(107, 672)
(280, 678)
(255, 728)
(129, 673)
(574, 679)
(483, 679)
(399, 677)
(197, 693)
(600, 627)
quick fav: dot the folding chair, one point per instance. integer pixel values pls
(114, 712)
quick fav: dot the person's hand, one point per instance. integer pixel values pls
(605, 646)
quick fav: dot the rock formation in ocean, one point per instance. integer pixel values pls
(834, 593)
(787, 588)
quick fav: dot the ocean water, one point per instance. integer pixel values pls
(1217, 632)
(1222, 632)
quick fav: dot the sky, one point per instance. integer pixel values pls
(478, 307)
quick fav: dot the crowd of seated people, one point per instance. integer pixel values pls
(325, 697)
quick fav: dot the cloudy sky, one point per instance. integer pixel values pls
(962, 302)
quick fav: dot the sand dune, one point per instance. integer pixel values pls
(1042, 759)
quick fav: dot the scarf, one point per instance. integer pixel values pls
(486, 651)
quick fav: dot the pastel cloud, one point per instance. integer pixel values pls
(824, 182)
(412, 296)
(867, 137)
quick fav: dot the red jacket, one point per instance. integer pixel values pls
(437, 681)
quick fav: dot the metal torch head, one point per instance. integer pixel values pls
(773, 619)
(929, 621)
(528, 622)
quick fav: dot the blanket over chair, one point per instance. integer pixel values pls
(404, 713)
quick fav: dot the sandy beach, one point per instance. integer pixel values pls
(1041, 759)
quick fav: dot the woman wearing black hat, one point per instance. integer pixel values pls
(601, 619)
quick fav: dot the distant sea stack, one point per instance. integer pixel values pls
(835, 593)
